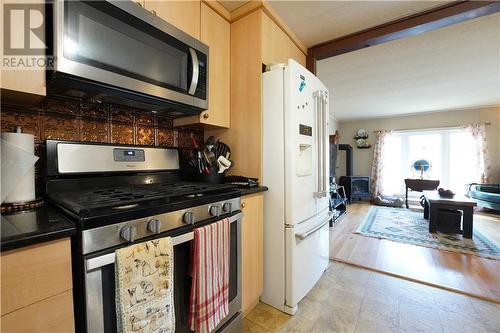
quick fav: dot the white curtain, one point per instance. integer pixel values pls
(480, 151)
(379, 161)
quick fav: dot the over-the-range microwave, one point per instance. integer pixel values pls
(119, 52)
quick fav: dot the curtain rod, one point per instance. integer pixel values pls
(430, 128)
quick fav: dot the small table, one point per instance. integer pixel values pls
(434, 202)
(419, 185)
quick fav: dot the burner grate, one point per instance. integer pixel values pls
(91, 202)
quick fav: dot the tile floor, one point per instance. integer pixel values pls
(351, 299)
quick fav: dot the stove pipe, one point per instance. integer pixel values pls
(348, 158)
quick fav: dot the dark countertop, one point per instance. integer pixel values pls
(47, 223)
(32, 227)
(252, 190)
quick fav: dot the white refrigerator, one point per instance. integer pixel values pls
(296, 170)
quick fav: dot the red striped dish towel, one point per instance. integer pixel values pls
(209, 303)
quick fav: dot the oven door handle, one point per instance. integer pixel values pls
(108, 259)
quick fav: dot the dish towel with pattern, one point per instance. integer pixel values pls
(144, 287)
(209, 303)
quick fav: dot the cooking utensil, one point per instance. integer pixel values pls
(200, 163)
(211, 142)
(195, 143)
(223, 163)
(205, 156)
(221, 149)
(210, 156)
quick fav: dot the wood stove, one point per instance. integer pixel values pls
(356, 187)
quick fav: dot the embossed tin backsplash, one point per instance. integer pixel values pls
(62, 119)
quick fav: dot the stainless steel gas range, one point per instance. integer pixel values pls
(120, 195)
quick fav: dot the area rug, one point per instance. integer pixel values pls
(408, 226)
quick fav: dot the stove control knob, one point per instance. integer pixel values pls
(154, 226)
(128, 233)
(227, 207)
(214, 210)
(188, 217)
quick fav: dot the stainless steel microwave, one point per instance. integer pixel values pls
(119, 52)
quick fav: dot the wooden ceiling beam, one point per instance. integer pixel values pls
(452, 13)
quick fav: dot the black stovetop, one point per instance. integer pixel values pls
(88, 203)
(112, 199)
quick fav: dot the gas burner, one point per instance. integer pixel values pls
(195, 195)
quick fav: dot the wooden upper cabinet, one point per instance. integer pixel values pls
(23, 82)
(20, 84)
(216, 33)
(296, 54)
(275, 47)
(185, 15)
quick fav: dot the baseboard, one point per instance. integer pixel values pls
(251, 307)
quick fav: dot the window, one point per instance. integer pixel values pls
(450, 153)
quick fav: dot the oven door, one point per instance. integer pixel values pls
(99, 285)
(122, 45)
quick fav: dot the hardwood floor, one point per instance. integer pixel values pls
(463, 273)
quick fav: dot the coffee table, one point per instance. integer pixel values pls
(434, 202)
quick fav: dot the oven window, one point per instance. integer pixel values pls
(233, 262)
(182, 286)
(101, 35)
(108, 299)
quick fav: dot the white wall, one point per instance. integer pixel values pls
(362, 158)
(333, 124)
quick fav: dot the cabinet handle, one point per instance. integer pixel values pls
(206, 115)
(243, 204)
(154, 12)
(138, 4)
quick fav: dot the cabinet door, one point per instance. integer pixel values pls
(275, 47)
(26, 277)
(295, 53)
(22, 83)
(216, 33)
(53, 314)
(185, 15)
(252, 250)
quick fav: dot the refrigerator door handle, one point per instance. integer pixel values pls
(325, 143)
(308, 233)
(319, 97)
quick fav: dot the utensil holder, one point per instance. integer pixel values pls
(214, 177)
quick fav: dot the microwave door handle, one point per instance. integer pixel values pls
(195, 70)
